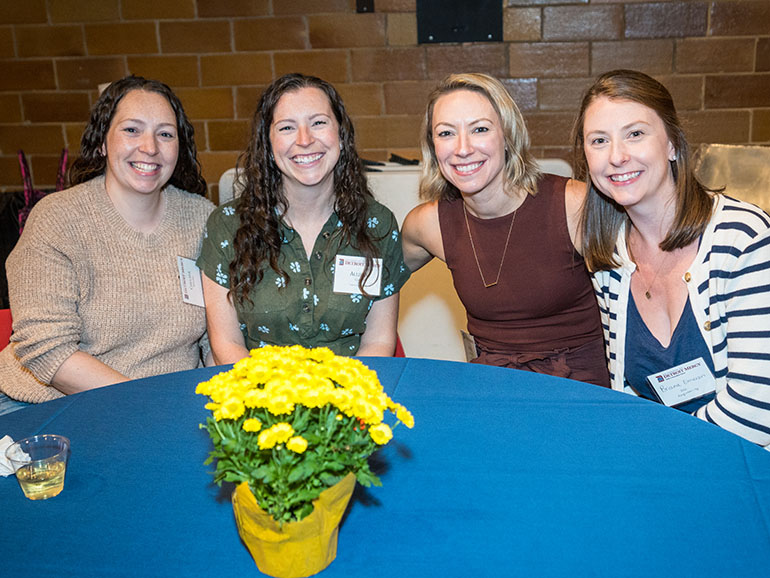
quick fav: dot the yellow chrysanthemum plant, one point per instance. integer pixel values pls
(293, 422)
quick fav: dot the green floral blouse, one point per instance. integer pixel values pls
(305, 310)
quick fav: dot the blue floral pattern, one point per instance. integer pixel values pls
(221, 277)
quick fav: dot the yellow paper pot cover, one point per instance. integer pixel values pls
(298, 549)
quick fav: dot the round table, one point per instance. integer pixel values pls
(506, 473)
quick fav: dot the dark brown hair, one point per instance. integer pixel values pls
(602, 217)
(263, 202)
(92, 163)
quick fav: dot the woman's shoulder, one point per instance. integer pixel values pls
(735, 218)
(190, 203)
(224, 219)
(69, 205)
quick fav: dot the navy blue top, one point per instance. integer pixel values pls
(645, 355)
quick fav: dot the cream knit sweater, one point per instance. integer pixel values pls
(80, 278)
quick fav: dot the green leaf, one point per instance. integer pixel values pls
(328, 479)
(300, 472)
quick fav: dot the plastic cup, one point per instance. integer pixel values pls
(40, 463)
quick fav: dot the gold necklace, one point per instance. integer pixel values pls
(475, 256)
(647, 293)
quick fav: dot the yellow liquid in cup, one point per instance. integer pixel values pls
(42, 482)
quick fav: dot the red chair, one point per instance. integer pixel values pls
(5, 327)
(399, 348)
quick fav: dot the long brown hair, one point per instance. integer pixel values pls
(262, 203)
(92, 163)
(521, 169)
(602, 217)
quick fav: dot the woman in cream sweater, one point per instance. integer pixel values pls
(93, 281)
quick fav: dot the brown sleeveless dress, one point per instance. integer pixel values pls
(542, 315)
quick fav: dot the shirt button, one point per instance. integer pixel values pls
(707, 326)
(687, 277)
(308, 281)
(306, 308)
(326, 235)
(318, 255)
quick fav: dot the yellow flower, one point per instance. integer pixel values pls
(266, 439)
(404, 416)
(282, 432)
(381, 433)
(252, 424)
(232, 408)
(279, 404)
(297, 444)
(321, 354)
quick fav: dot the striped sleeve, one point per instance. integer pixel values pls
(739, 286)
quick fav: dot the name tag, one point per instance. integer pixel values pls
(348, 271)
(190, 281)
(683, 383)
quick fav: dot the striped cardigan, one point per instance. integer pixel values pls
(729, 290)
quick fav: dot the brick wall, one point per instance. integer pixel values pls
(219, 54)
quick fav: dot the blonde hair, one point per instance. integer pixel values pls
(521, 170)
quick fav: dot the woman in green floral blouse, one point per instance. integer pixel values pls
(304, 255)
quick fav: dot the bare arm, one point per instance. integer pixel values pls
(379, 339)
(421, 236)
(227, 342)
(574, 198)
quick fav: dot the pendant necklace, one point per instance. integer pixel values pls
(475, 256)
(647, 293)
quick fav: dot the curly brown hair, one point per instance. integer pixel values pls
(262, 202)
(92, 163)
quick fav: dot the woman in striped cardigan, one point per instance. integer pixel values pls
(681, 272)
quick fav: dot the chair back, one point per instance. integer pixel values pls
(5, 327)
(399, 348)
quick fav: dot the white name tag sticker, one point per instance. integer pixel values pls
(190, 281)
(347, 273)
(683, 383)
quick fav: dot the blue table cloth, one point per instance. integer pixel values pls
(506, 473)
